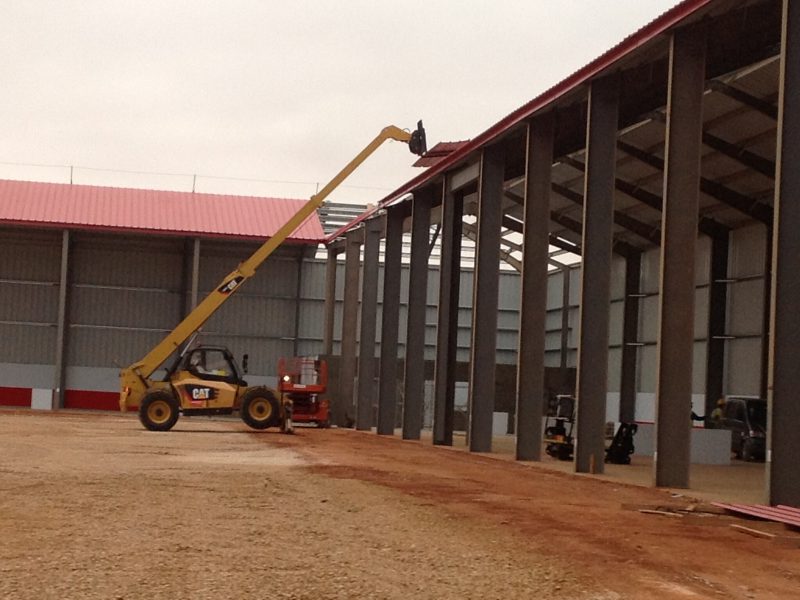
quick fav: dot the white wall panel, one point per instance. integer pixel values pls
(614, 369)
(747, 252)
(746, 307)
(15, 374)
(743, 368)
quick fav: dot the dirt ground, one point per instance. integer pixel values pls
(93, 506)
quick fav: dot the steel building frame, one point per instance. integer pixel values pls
(687, 128)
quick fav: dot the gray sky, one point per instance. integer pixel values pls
(281, 91)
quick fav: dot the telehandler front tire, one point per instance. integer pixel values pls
(159, 411)
(260, 408)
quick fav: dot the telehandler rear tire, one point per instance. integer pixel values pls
(260, 408)
(159, 411)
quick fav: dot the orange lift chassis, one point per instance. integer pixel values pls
(206, 380)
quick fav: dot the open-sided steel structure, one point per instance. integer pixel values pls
(666, 146)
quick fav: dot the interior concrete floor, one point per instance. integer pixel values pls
(740, 482)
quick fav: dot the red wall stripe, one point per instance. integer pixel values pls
(13, 396)
(91, 400)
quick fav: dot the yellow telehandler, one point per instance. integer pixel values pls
(206, 380)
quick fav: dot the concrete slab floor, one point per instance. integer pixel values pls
(740, 482)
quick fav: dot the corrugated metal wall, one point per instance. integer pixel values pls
(127, 292)
(648, 319)
(259, 319)
(745, 309)
(507, 322)
(30, 263)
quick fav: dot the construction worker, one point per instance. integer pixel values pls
(716, 414)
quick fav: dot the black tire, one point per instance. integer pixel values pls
(565, 452)
(159, 410)
(261, 408)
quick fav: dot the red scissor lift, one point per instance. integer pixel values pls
(304, 380)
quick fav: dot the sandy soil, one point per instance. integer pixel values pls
(93, 506)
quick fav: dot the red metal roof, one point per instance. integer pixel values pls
(177, 213)
(438, 152)
(644, 35)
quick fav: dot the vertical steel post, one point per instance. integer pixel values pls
(533, 304)
(195, 289)
(565, 293)
(414, 387)
(483, 351)
(783, 443)
(330, 299)
(598, 209)
(678, 241)
(630, 339)
(447, 318)
(298, 297)
(390, 319)
(763, 388)
(373, 228)
(717, 319)
(347, 371)
(62, 326)
(190, 274)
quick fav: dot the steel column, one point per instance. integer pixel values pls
(447, 319)
(390, 318)
(483, 351)
(347, 371)
(763, 388)
(678, 241)
(598, 221)
(717, 320)
(62, 326)
(630, 339)
(783, 443)
(373, 229)
(533, 304)
(298, 297)
(566, 273)
(330, 299)
(190, 276)
(414, 381)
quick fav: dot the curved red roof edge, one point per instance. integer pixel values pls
(56, 225)
(642, 36)
(147, 211)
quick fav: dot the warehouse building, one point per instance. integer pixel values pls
(91, 278)
(670, 165)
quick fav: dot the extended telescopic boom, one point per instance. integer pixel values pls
(135, 379)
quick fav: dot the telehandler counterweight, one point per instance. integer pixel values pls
(205, 379)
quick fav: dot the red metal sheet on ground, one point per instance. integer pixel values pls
(781, 513)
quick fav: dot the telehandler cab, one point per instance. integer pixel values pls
(205, 380)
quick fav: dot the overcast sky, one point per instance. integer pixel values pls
(276, 91)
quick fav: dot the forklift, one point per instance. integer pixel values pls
(205, 380)
(558, 438)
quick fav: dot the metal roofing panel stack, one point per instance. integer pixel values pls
(788, 515)
(106, 208)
